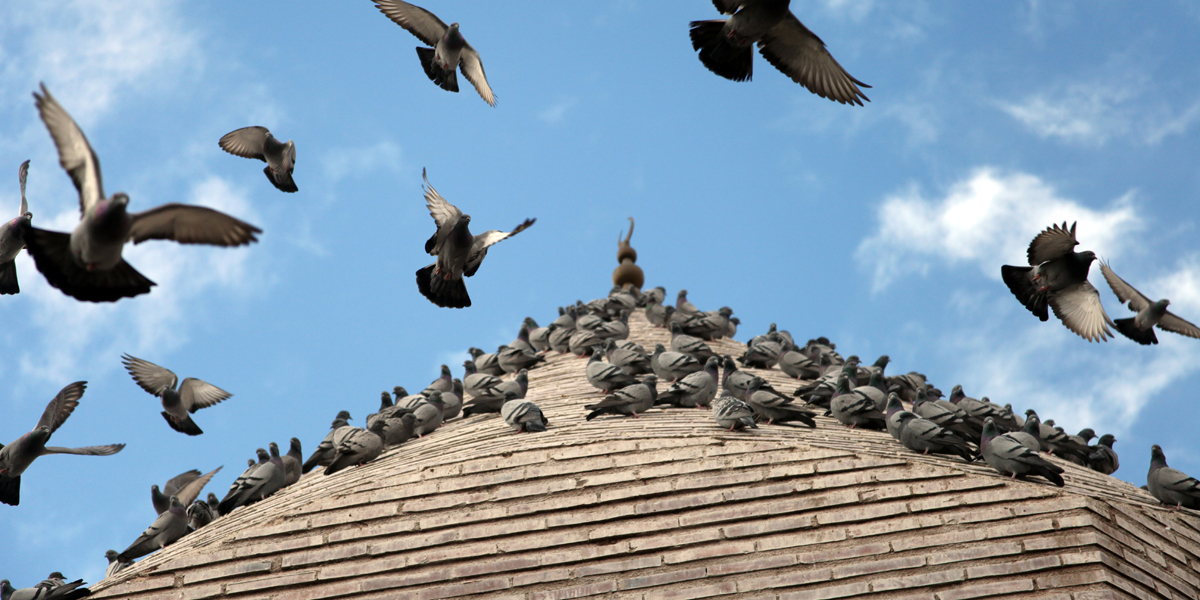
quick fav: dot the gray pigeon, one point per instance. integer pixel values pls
(683, 306)
(53, 588)
(513, 359)
(853, 409)
(486, 362)
(733, 414)
(164, 531)
(1057, 276)
(1140, 328)
(179, 400)
(1030, 434)
(630, 400)
(712, 325)
(976, 411)
(559, 337)
(115, 564)
(12, 239)
(725, 48)
(522, 342)
(255, 483)
(480, 385)
(453, 400)
(1103, 458)
(524, 415)
(798, 366)
(257, 142)
(86, 264)
(538, 336)
(458, 253)
(762, 354)
(358, 447)
(398, 430)
(694, 390)
(1171, 487)
(19, 454)
(774, 407)
(519, 385)
(922, 435)
(1008, 457)
(631, 361)
(657, 314)
(450, 50)
(691, 346)
(582, 342)
(325, 450)
(428, 415)
(672, 366)
(186, 486)
(292, 463)
(604, 376)
(200, 513)
(657, 295)
(738, 382)
(444, 382)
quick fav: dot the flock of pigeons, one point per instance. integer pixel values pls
(86, 264)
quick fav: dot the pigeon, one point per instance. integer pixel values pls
(453, 400)
(1103, 458)
(19, 454)
(1055, 441)
(115, 564)
(657, 314)
(798, 366)
(975, 410)
(653, 296)
(200, 513)
(604, 376)
(171, 525)
(1171, 487)
(179, 400)
(450, 50)
(186, 486)
(444, 382)
(486, 362)
(358, 447)
(398, 429)
(559, 337)
(12, 239)
(924, 436)
(762, 354)
(853, 409)
(733, 414)
(631, 361)
(524, 415)
(617, 329)
(629, 400)
(1030, 434)
(512, 359)
(428, 415)
(255, 483)
(683, 307)
(582, 342)
(943, 417)
(1057, 276)
(538, 336)
(672, 366)
(458, 253)
(1008, 457)
(775, 408)
(1140, 328)
(725, 48)
(258, 143)
(709, 325)
(86, 264)
(325, 450)
(480, 385)
(738, 382)
(53, 588)
(694, 390)
(519, 385)
(292, 462)
(691, 346)
(522, 342)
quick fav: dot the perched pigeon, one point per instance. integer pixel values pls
(256, 142)
(774, 407)
(1103, 458)
(853, 409)
(86, 264)
(115, 563)
(164, 531)
(943, 417)
(617, 329)
(453, 400)
(458, 252)
(524, 415)
(538, 336)
(733, 414)
(480, 385)
(522, 342)
(762, 354)
(358, 447)
(725, 48)
(486, 362)
(513, 359)
(672, 366)
(582, 342)
(1030, 434)
(19, 454)
(518, 385)
(558, 337)
(691, 346)
(1057, 276)
(1008, 457)
(255, 483)
(450, 50)
(12, 239)
(606, 377)
(200, 513)
(631, 361)
(924, 436)
(1171, 487)
(799, 366)
(186, 486)
(323, 455)
(695, 389)
(1140, 328)
(179, 400)
(712, 325)
(738, 382)
(398, 430)
(629, 400)
(53, 588)
(292, 463)
(683, 306)
(444, 382)
(428, 415)
(657, 314)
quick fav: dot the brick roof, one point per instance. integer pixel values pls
(669, 505)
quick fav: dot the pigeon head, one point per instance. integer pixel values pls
(457, 387)
(882, 361)
(920, 399)
(469, 366)
(274, 450)
(1087, 434)
(843, 385)
(385, 400)
(1107, 440)
(509, 395)
(111, 555)
(109, 210)
(262, 456)
(344, 414)
(294, 446)
(530, 323)
(435, 398)
(893, 404)
(1086, 257)
(1158, 460)
(446, 372)
(989, 432)
(399, 392)
(380, 425)
(475, 352)
(177, 507)
(1160, 307)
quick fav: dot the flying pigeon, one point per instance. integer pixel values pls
(12, 239)
(450, 50)
(1140, 328)
(1057, 276)
(733, 414)
(1008, 457)
(458, 252)
(186, 486)
(725, 48)
(524, 415)
(179, 400)
(630, 400)
(359, 446)
(19, 454)
(86, 264)
(1171, 487)
(258, 143)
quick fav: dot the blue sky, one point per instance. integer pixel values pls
(882, 227)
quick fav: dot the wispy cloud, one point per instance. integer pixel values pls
(555, 113)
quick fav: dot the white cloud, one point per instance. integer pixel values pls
(855, 10)
(555, 113)
(340, 163)
(984, 220)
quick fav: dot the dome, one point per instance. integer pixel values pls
(669, 505)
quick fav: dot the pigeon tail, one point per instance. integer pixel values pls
(10, 490)
(338, 464)
(718, 55)
(1144, 337)
(446, 79)
(8, 278)
(282, 181)
(187, 425)
(535, 427)
(51, 251)
(446, 294)
(1017, 280)
(311, 463)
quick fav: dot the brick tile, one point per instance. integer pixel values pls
(196, 559)
(709, 551)
(606, 513)
(223, 571)
(761, 526)
(477, 568)
(361, 567)
(463, 589)
(357, 532)
(703, 591)
(877, 566)
(353, 515)
(598, 479)
(455, 518)
(844, 553)
(1099, 595)
(857, 464)
(501, 528)
(724, 513)
(618, 566)
(976, 514)
(329, 554)
(556, 503)
(142, 585)
(1040, 563)
(791, 577)
(893, 526)
(633, 527)
(987, 590)
(540, 488)
(635, 490)
(581, 591)
(200, 592)
(760, 491)
(975, 552)
(269, 530)
(666, 578)
(1019, 527)
(542, 540)
(862, 513)
(540, 576)
(269, 582)
(679, 502)
(723, 480)
(925, 579)
(586, 552)
(821, 536)
(275, 547)
(410, 542)
(675, 539)
(1072, 579)
(836, 591)
(444, 501)
(760, 563)
(454, 552)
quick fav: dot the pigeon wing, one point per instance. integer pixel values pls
(484, 240)
(62, 406)
(472, 69)
(149, 376)
(418, 21)
(1079, 308)
(798, 53)
(1171, 322)
(247, 142)
(85, 451)
(191, 225)
(1125, 292)
(197, 394)
(74, 152)
(189, 492)
(1054, 242)
(22, 175)
(445, 217)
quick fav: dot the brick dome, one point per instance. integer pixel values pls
(669, 505)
